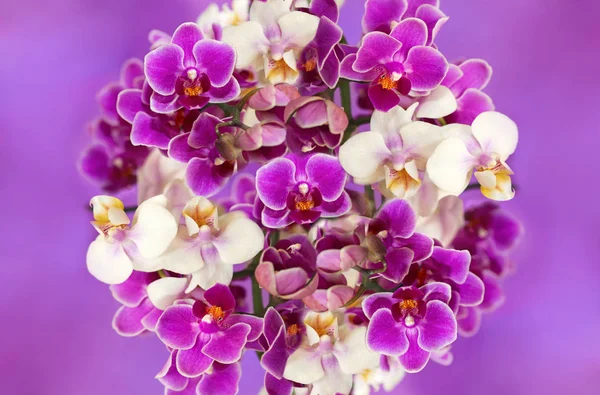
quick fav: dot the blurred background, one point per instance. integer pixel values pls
(55, 319)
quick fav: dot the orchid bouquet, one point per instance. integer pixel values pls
(349, 289)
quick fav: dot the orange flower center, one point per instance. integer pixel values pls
(292, 329)
(387, 82)
(215, 312)
(194, 90)
(310, 65)
(304, 205)
(408, 304)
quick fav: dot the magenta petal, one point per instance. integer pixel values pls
(469, 321)
(421, 245)
(383, 99)
(470, 105)
(385, 335)
(291, 280)
(150, 320)
(202, 178)
(471, 291)
(330, 71)
(436, 291)
(128, 320)
(164, 104)
(186, 36)
(226, 93)
(133, 291)
(204, 131)
(272, 323)
(224, 380)
(276, 219)
(434, 18)
(178, 327)
(494, 296)
(399, 217)
(415, 358)
(328, 35)
(346, 70)
(398, 264)
(325, 173)
(273, 181)
(220, 295)
(193, 362)
(131, 70)
(325, 8)
(377, 48)
(162, 67)
(170, 377)
(410, 32)
(455, 264)
(338, 207)
(274, 359)
(255, 324)
(425, 68)
(129, 103)
(107, 99)
(216, 59)
(438, 328)
(379, 14)
(180, 150)
(275, 386)
(476, 74)
(149, 132)
(372, 303)
(226, 346)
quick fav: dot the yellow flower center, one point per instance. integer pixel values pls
(305, 205)
(292, 329)
(387, 82)
(215, 312)
(408, 304)
(310, 65)
(194, 90)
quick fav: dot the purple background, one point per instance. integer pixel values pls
(55, 333)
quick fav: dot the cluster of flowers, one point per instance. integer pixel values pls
(362, 287)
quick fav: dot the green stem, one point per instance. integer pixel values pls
(346, 99)
(370, 194)
(273, 238)
(363, 120)
(442, 121)
(257, 301)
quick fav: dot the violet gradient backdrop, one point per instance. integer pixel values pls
(55, 333)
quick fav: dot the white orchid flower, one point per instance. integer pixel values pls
(207, 246)
(329, 355)
(271, 41)
(112, 256)
(395, 150)
(481, 149)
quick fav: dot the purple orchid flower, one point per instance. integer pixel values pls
(132, 76)
(394, 229)
(411, 323)
(320, 61)
(383, 15)
(288, 270)
(301, 189)
(452, 267)
(283, 331)
(211, 159)
(220, 379)
(466, 82)
(203, 333)
(112, 161)
(314, 122)
(147, 127)
(190, 72)
(138, 314)
(396, 64)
